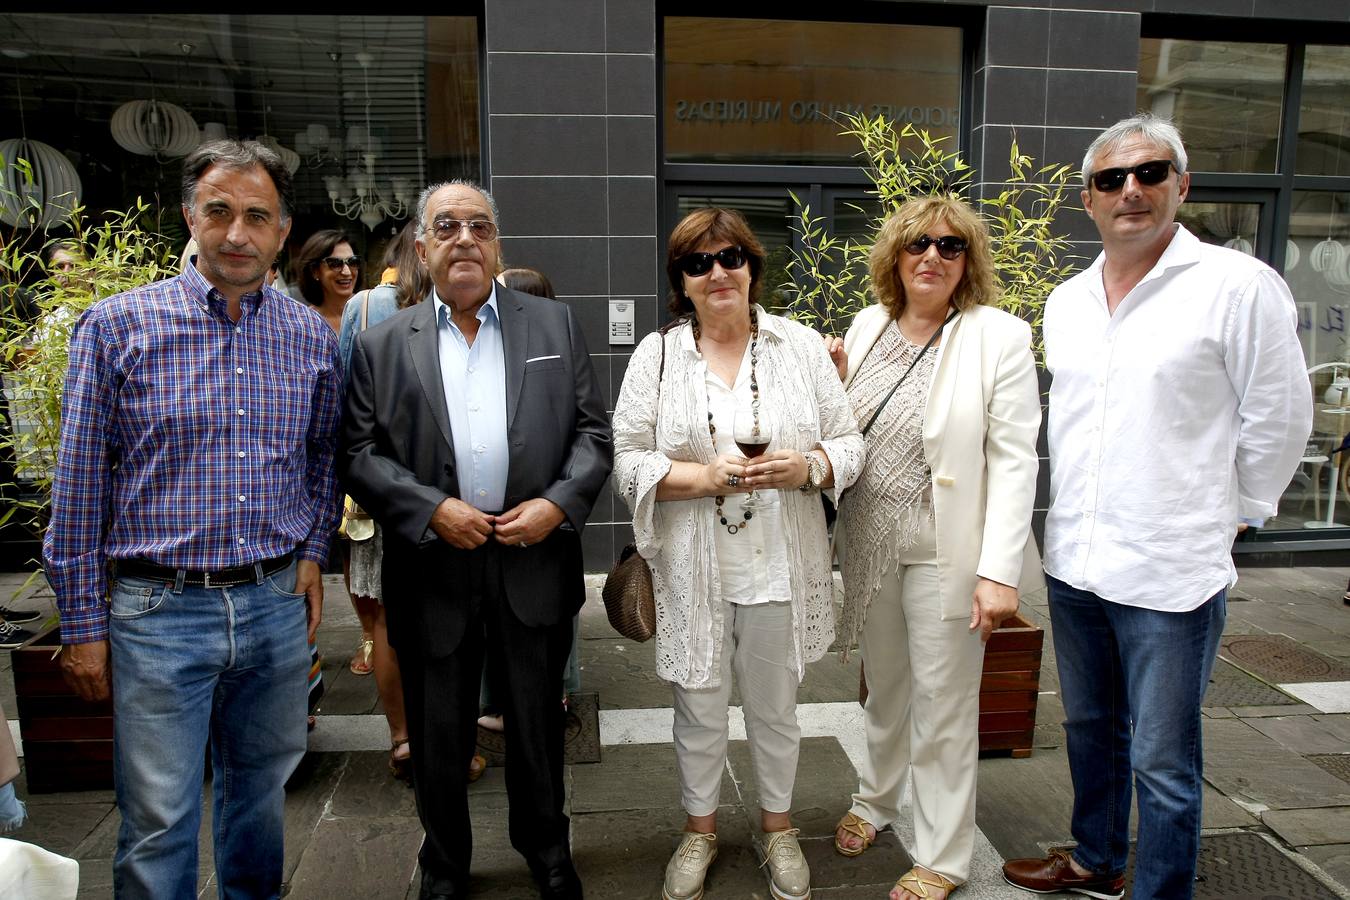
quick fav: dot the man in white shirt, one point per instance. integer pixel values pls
(1179, 404)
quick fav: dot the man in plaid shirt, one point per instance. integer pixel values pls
(191, 513)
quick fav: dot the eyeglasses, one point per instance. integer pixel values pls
(696, 264)
(449, 229)
(1155, 171)
(948, 247)
(335, 263)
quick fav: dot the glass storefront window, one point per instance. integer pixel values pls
(766, 91)
(389, 100)
(1317, 269)
(1323, 120)
(1226, 98)
(1225, 224)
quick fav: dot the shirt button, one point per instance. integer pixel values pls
(473, 407)
(470, 368)
(241, 540)
(241, 412)
(758, 552)
(241, 498)
(238, 329)
(239, 370)
(242, 454)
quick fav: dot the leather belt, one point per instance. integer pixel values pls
(254, 572)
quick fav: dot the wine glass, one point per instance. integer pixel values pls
(752, 438)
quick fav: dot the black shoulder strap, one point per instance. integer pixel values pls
(887, 399)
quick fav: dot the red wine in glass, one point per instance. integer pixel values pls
(752, 450)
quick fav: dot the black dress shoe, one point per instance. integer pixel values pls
(558, 882)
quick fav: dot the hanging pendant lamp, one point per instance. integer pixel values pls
(52, 194)
(155, 128)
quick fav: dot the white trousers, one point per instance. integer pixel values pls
(922, 713)
(757, 648)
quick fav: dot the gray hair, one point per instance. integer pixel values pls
(1156, 130)
(425, 197)
(237, 155)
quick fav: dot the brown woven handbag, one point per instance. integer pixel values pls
(629, 601)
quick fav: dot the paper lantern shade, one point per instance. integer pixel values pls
(1240, 244)
(1327, 255)
(51, 196)
(289, 157)
(155, 128)
(1291, 255)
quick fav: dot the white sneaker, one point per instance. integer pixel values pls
(791, 875)
(685, 871)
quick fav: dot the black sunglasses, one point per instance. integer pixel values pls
(696, 264)
(948, 247)
(1108, 181)
(335, 263)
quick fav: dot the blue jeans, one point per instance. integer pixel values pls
(1132, 681)
(228, 663)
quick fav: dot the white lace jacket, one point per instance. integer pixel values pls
(805, 402)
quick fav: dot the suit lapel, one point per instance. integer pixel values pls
(515, 341)
(426, 357)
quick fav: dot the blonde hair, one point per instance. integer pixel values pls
(978, 286)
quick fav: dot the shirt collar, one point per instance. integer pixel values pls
(1182, 250)
(209, 297)
(488, 308)
(770, 326)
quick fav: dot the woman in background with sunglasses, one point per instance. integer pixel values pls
(328, 272)
(935, 536)
(737, 589)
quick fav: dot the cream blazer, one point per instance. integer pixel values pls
(979, 436)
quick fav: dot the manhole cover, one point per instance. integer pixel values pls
(581, 737)
(1230, 686)
(1244, 866)
(1281, 659)
(1337, 764)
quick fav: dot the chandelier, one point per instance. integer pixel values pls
(358, 195)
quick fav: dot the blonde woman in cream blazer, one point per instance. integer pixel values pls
(935, 536)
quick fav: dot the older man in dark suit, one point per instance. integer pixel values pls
(476, 435)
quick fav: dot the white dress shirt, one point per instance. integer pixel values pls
(474, 379)
(753, 561)
(1185, 410)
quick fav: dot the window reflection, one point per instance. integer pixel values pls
(1323, 132)
(766, 91)
(1231, 225)
(1225, 97)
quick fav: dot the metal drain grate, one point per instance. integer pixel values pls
(1245, 866)
(1337, 764)
(581, 740)
(1281, 659)
(1230, 686)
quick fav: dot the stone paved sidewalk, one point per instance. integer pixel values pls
(1276, 824)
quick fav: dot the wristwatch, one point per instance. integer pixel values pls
(815, 472)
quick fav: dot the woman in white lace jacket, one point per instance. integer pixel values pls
(935, 536)
(740, 591)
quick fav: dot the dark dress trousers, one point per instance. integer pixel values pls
(445, 605)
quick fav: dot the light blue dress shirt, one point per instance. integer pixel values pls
(474, 379)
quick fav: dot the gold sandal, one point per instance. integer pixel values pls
(914, 882)
(362, 661)
(857, 826)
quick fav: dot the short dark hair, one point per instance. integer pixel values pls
(237, 155)
(529, 281)
(712, 223)
(312, 254)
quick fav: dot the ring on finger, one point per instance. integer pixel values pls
(733, 480)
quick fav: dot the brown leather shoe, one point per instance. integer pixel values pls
(1054, 874)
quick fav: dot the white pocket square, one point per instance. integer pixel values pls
(542, 358)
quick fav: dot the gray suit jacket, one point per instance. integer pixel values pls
(396, 459)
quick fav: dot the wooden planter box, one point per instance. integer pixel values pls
(1012, 679)
(67, 742)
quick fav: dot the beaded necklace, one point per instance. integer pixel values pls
(747, 515)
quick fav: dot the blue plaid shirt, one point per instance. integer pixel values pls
(190, 440)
